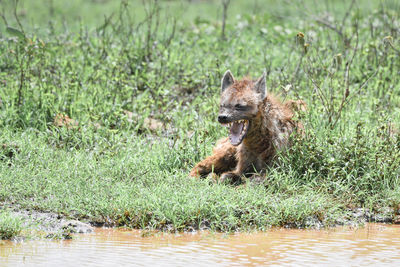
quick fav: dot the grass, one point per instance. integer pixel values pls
(10, 226)
(141, 87)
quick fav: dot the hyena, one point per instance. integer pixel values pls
(259, 126)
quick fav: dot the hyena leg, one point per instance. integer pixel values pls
(222, 160)
(246, 163)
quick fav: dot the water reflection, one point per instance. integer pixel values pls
(373, 244)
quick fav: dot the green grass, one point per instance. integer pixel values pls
(10, 225)
(111, 75)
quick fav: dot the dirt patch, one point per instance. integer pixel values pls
(48, 224)
(61, 120)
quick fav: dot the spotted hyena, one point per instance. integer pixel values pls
(259, 125)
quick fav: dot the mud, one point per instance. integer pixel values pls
(48, 224)
(56, 226)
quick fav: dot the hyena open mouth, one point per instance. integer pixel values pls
(238, 131)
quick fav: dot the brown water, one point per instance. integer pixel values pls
(374, 244)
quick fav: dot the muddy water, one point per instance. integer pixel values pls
(374, 244)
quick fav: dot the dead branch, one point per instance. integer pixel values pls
(225, 5)
(17, 18)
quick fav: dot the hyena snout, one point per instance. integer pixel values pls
(223, 118)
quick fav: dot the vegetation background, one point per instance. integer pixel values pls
(105, 105)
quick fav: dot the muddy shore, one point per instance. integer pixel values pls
(48, 224)
(56, 226)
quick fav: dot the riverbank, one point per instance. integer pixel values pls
(102, 117)
(142, 183)
(19, 224)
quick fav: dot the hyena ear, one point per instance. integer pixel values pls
(260, 86)
(227, 80)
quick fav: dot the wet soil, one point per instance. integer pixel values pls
(48, 224)
(56, 226)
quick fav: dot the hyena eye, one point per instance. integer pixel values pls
(240, 107)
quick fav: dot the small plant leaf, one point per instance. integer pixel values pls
(16, 32)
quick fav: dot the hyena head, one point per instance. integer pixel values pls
(240, 101)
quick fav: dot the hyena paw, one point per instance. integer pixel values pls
(194, 172)
(198, 171)
(230, 178)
